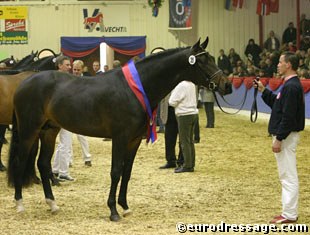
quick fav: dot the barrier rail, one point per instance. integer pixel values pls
(241, 84)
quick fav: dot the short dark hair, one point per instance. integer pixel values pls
(60, 59)
(292, 58)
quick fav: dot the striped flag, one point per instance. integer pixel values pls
(263, 7)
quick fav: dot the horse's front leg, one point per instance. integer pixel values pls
(128, 163)
(118, 153)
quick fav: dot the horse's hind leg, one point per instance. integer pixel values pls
(127, 168)
(47, 138)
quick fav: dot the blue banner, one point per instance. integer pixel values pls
(180, 14)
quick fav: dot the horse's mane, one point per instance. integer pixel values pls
(162, 54)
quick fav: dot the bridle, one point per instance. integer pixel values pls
(211, 85)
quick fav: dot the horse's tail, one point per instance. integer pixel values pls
(17, 167)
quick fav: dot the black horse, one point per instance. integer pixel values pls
(21, 65)
(100, 107)
(9, 62)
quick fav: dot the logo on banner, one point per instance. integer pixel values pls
(14, 25)
(95, 22)
(180, 14)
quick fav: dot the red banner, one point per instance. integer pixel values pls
(13, 25)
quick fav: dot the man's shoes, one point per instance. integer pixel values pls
(168, 165)
(106, 139)
(88, 163)
(161, 131)
(209, 126)
(196, 141)
(65, 177)
(54, 181)
(279, 219)
(183, 169)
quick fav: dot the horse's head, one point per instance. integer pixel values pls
(209, 75)
(45, 63)
(26, 61)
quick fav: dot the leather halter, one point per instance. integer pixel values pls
(211, 86)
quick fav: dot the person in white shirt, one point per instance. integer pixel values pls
(183, 99)
(63, 154)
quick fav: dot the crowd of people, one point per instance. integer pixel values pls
(263, 61)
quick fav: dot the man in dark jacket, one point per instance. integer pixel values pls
(252, 51)
(223, 63)
(289, 34)
(286, 120)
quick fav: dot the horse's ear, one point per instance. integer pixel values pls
(196, 46)
(205, 43)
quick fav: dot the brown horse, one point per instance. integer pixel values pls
(104, 106)
(8, 85)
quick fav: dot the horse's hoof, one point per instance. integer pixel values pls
(19, 206)
(127, 212)
(115, 218)
(53, 205)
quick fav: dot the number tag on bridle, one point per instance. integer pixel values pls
(192, 60)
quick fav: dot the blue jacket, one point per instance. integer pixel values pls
(288, 109)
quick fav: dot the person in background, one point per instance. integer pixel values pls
(96, 67)
(77, 69)
(116, 64)
(233, 57)
(106, 68)
(223, 63)
(289, 34)
(252, 51)
(287, 119)
(304, 74)
(86, 72)
(270, 69)
(167, 115)
(207, 98)
(272, 43)
(63, 150)
(184, 100)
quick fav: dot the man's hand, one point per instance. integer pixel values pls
(276, 146)
(259, 85)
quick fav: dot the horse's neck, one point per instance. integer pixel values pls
(160, 76)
